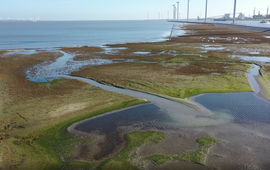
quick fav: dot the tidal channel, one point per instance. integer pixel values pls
(162, 113)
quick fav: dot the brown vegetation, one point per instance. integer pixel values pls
(26, 107)
(175, 67)
(82, 50)
(216, 34)
(182, 67)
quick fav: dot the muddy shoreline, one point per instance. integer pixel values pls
(227, 156)
(246, 140)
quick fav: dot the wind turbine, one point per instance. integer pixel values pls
(177, 10)
(187, 10)
(173, 12)
(205, 11)
(234, 11)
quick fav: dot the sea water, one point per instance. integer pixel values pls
(50, 34)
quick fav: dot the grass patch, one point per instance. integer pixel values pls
(200, 155)
(53, 83)
(45, 148)
(207, 142)
(134, 141)
(178, 60)
(172, 80)
(197, 157)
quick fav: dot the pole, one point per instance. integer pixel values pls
(173, 12)
(205, 11)
(177, 10)
(187, 10)
(234, 11)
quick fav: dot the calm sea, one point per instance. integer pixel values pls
(49, 34)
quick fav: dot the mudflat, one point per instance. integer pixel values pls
(36, 115)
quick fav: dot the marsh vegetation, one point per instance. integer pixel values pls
(35, 116)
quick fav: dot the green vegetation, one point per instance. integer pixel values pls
(178, 60)
(207, 142)
(33, 127)
(175, 80)
(47, 148)
(198, 156)
(265, 72)
(53, 83)
(134, 140)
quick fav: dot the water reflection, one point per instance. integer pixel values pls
(23, 52)
(63, 66)
(244, 107)
(251, 58)
(253, 72)
(143, 117)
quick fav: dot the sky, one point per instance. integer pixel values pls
(122, 9)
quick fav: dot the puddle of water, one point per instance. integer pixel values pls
(142, 52)
(251, 77)
(111, 50)
(151, 62)
(267, 36)
(23, 52)
(212, 47)
(251, 58)
(254, 52)
(63, 66)
(170, 52)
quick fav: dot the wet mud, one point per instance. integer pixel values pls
(241, 120)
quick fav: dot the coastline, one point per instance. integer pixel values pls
(240, 137)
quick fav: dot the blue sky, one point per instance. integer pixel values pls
(120, 9)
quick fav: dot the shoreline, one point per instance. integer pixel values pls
(93, 35)
(71, 128)
(231, 25)
(240, 136)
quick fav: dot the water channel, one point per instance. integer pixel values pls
(163, 113)
(160, 113)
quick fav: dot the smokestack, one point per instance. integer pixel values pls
(254, 11)
(267, 11)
